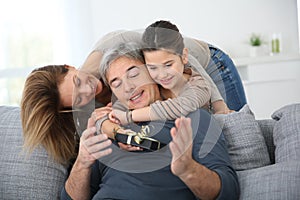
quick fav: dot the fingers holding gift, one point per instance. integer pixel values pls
(128, 147)
(95, 145)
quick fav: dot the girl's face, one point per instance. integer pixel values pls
(166, 68)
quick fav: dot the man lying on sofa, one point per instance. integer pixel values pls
(187, 168)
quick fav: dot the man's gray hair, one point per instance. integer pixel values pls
(129, 50)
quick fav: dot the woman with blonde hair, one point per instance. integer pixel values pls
(46, 109)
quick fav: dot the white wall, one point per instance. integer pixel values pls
(227, 24)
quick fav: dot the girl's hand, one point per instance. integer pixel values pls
(113, 118)
(118, 116)
(101, 112)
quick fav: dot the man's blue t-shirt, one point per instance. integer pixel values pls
(147, 175)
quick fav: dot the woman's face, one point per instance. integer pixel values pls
(78, 88)
(166, 68)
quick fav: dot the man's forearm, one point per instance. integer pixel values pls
(78, 184)
(203, 182)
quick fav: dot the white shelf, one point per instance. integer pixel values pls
(241, 62)
(270, 82)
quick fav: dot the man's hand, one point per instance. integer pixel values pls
(128, 147)
(92, 146)
(181, 146)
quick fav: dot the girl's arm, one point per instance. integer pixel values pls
(195, 94)
(220, 107)
(110, 128)
(215, 94)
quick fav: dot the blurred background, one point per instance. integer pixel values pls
(35, 33)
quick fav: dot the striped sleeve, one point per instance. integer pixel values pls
(194, 95)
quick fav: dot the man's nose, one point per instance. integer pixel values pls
(129, 86)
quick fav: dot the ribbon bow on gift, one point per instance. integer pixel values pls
(140, 138)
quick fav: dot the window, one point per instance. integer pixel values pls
(298, 12)
(30, 32)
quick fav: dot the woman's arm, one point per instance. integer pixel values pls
(92, 63)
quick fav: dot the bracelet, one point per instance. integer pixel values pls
(115, 131)
(129, 116)
(99, 124)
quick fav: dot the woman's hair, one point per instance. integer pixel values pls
(163, 35)
(130, 50)
(43, 121)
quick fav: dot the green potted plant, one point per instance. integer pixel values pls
(255, 42)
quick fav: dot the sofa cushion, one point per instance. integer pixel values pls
(287, 133)
(245, 142)
(267, 126)
(23, 176)
(277, 182)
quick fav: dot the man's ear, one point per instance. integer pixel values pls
(184, 56)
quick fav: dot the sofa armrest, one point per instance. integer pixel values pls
(34, 176)
(266, 126)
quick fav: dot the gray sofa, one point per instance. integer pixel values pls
(265, 172)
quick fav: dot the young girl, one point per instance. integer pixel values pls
(183, 89)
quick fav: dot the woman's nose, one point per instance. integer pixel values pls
(85, 90)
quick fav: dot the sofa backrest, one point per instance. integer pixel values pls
(24, 176)
(267, 126)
